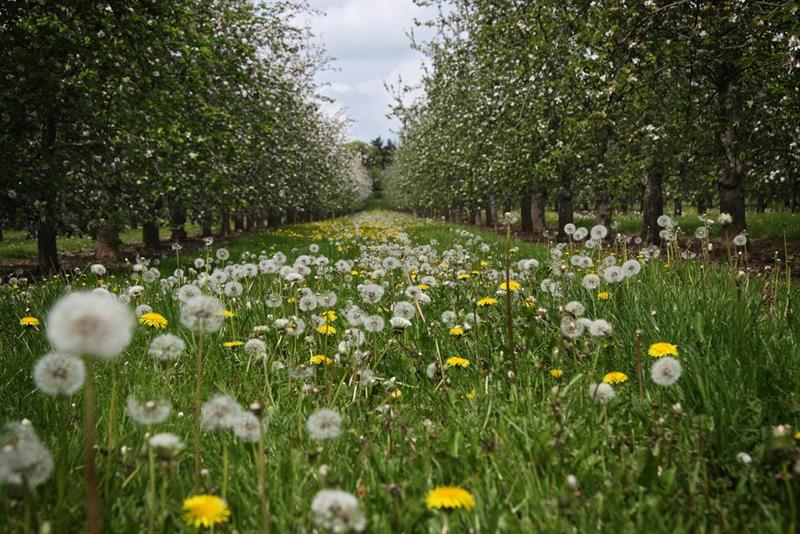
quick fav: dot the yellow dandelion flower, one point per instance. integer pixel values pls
(603, 295)
(487, 301)
(484, 263)
(329, 315)
(423, 287)
(319, 359)
(449, 498)
(464, 276)
(556, 373)
(154, 320)
(615, 377)
(396, 394)
(513, 285)
(29, 320)
(662, 348)
(354, 272)
(457, 361)
(226, 313)
(457, 331)
(326, 329)
(472, 395)
(232, 344)
(205, 511)
(291, 300)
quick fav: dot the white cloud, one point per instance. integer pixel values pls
(368, 39)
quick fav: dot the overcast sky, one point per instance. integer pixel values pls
(368, 39)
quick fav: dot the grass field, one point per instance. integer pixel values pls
(537, 448)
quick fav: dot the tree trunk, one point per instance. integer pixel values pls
(106, 246)
(251, 222)
(273, 219)
(238, 222)
(177, 220)
(731, 182)
(526, 222)
(652, 203)
(150, 237)
(602, 209)
(565, 207)
(205, 229)
(46, 246)
(761, 204)
(225, 223)
(539, 226)
(491, 212)
(678, 204)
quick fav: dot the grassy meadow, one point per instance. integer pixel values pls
(434, 400)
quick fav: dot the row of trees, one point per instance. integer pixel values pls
(604, 105)
(163, 111)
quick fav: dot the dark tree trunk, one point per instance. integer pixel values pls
(251, 222)
(678, 204)
(238, 222)
(491, 212)
(761, 204)
(731, 182)
(46, 246)
(652, 204)
(526, 221)
(565, 207)
(150, 237)
(106, 246)
(46, 228)
(291, 216)
(273, 219)
(205, 229)
(225, 223)
(702, 205)
(537, 213)
(177, 220)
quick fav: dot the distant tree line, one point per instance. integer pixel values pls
(161, 112)
(606, 106)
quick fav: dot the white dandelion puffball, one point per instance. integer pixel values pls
(59, 374)
(324, 424)
(740, 240)
(337, 511)
(600, 328)
(219, 413)
(601, 392)
(166, 347)
(23, 458)
(399, 323)
(255, 347)
(247, 427)
(98, 269)
(91, 324)
(743, 458)
(666, 371)
(202, 314)
(165, 443)
(599, 232)
(373, 323)
(149, 412)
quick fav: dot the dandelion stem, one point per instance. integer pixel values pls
(198, 382)
(639, 365)
(90, 469)
(509, 326)
(151, 489)
(225, 467)
(262, 483)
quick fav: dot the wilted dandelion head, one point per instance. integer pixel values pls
(666, 371)
(601, 392)
(91, 324)
(324, 424)
(220, 412)
(399, 323)
(337, 511)
(23, 458)
(149, 412)
(166, 347)
(202, 314)
(59, 374)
